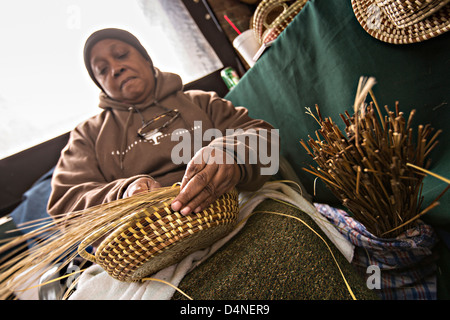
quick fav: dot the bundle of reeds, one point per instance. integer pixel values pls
(132, 235)
(377, 168)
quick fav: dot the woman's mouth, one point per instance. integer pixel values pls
(124, 82)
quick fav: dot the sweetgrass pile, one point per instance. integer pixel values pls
(376, 169)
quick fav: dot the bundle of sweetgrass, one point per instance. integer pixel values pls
(58, 238)
(377, 167)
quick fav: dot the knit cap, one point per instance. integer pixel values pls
(111, 33)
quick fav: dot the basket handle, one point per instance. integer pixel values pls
(281, 4)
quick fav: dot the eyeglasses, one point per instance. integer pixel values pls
(150, 134)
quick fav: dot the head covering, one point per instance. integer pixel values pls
(111, 33)
(403, 21)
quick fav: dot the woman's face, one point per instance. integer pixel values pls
(123, 73)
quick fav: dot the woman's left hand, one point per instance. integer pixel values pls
(209, 174)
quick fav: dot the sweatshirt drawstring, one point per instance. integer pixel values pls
(123, 144)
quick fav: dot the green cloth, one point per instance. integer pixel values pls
(275, 258)
(318, 59)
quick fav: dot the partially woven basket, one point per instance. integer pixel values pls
(156, 237)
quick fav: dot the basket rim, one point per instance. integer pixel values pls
(125, 272)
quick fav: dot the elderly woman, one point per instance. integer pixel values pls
(131, 145)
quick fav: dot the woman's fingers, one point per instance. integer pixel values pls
(141, 185)
(199, 189)
(205, 181)
(153, 184)
(195, 187)
(222, 182)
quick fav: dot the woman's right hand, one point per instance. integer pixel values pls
(141, 185)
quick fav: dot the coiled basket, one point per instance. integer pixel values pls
(156, 237)
(266, 27)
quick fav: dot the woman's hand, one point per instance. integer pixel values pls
(209, 174)
(141, 185)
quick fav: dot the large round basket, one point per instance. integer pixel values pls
(156, 237)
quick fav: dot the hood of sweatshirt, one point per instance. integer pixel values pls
(166, 84)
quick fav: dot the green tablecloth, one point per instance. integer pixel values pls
(319, 58)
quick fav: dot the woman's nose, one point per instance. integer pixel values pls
(117, 70)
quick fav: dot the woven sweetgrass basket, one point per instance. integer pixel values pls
(266, 27)
(156, 237)
(403, 21)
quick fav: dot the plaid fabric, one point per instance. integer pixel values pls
(407, 268)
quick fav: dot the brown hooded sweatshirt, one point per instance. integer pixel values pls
(104, 154)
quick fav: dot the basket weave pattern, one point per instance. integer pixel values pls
(265, 31)
(404, 13)
(140, 246)
(403, 21)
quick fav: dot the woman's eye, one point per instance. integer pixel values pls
(102, 71)
(123, 55)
